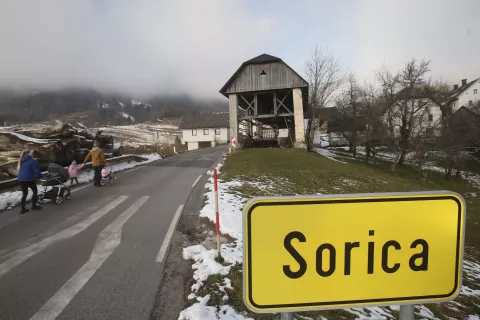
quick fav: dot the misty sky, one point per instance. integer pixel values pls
(180, 46)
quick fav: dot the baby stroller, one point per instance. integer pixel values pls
(54, 179)
(107, 174)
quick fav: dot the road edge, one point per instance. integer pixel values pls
(170, 297)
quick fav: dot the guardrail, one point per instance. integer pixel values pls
(10, 183)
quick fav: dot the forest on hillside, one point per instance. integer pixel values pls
(96, 107)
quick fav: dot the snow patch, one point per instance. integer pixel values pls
(127, 116)
(139, 103)
(327, 154)
(200, 311)
(29, 139)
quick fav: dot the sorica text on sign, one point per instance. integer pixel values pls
(418, 261)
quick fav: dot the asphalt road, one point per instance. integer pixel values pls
(100, 255)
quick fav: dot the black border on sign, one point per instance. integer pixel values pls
(349, 302)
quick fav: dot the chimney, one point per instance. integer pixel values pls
(455, 86)
(464, 82)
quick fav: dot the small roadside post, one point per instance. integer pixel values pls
(385, 242)
(234, 143)
(217, 214)
(286, 316)
(407, 312)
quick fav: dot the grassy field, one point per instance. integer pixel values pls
(288, 171)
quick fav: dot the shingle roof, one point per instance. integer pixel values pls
(455, 93)
(218, 120)
(263, 58)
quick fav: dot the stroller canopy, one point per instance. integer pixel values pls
(58, 170)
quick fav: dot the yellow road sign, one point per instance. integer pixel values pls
(306, 253)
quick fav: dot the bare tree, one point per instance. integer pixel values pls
(389, 86)
(323, 73)
(349, 108)
(409, 106)
(462, 131)
(372, 111)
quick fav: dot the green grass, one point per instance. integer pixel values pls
(291, 171)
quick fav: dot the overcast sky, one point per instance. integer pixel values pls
(181, 46)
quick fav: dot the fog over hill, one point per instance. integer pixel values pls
(94, 106)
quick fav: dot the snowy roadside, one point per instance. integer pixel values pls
(11, 199)
(207, 302)
(338, 154)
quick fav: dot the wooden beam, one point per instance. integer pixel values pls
(262, 116)
(282, 104)
(255, 101)
(250, 105)
(274, 102)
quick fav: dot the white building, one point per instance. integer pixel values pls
(423, 114)
(205, 130)
(464, 96)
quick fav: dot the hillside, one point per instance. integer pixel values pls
(93, 107)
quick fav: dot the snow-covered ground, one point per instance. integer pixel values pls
(144, 133)
(204, 264)
(11, 199)
(338, 154)
(127, 116)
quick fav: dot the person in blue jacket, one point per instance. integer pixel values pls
(28, 173)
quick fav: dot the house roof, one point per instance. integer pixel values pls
(455, 93)
(199, 121)
(263, 58)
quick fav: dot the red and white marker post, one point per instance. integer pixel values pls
(217, 215)
(234, 143)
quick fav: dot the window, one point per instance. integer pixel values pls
(430, 117)
(205, 132)
(429, 132)
(217, 132)
(194, 132)
(470, 103)
(475, 91)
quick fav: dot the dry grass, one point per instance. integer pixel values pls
(298, 172)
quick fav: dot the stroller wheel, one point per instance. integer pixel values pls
(68, 195)
(58, 200)
(41, 198)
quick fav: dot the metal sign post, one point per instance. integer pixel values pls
(407, 312)
(286, 316)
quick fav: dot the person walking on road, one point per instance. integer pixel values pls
(28, 172)
(73, 172)
(98, 161)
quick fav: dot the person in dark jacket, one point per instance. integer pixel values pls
(28, 173)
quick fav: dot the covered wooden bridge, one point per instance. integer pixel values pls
(265, 96)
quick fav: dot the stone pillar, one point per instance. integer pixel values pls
(298, 119)
(233, 111)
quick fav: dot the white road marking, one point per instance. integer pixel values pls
(23, 254)
(168, 236)
(136, 168)
(196, 181)
(108, 240)
(80, 188)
